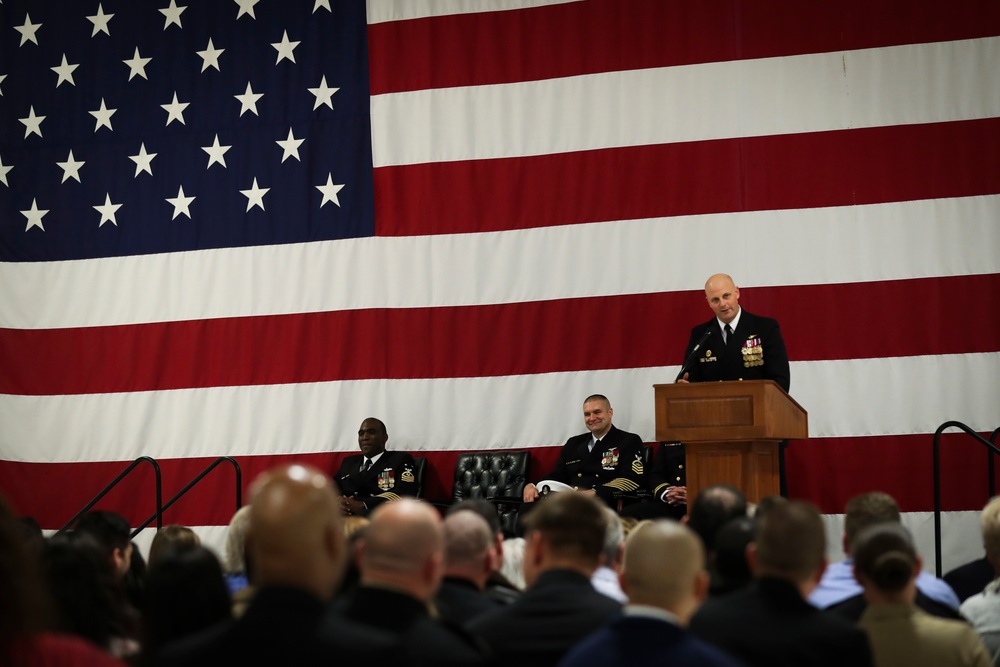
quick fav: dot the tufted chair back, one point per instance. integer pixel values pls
(491, 475)
(497, 476)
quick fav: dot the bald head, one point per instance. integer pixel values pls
(664, 567)
(295, 534)
(723, 297)
(467, 538)
(403, 548)
(469, 547)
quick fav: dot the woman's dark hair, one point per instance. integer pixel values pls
(185, 594)
(885, 554)
(88, 599)
(22, 602)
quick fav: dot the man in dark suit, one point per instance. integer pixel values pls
(375, 475)
(603, 461)
(664, 575)
(565, 538)
(770, 623)
(400, 556)
(298, 554)
(470, 557)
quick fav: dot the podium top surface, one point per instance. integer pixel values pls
(721, 411)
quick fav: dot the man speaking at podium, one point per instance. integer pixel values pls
(733, 345)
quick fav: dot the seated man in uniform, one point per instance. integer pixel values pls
(602, 461)
(375, 475)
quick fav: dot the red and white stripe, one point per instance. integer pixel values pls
(554, 182)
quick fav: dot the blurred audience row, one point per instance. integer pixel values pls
(301, 584)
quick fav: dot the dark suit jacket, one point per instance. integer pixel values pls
(392, 476)
(458, 601)
(756, 352)
(969, 579)
(546, 621)
(421, 639)
(644, 641)
(616, 465)
(280, 627)
(769, 624)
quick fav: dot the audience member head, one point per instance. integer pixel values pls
(614, 538)
(989, 522)
(483, 508)
(23, 603)
(171, 538)
(866, 510)
(469, 548)
(354, 527)
(185, 594)
(134, 581)
(566, 531)
(886, 563)
(791, 545)
(113, 534)
(729, 560)
(628, 524)
(31, 531)
(403, 549)
(766, 504)
(664, 566)
(714, 506)
(86, 594)
(488, 511)
(236, 542)
(295, 535)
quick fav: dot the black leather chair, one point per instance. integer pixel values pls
(419, 468)
(496, 476)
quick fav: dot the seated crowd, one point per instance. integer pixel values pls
(304, 582)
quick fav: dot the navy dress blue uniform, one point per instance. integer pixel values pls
(645, 641)
(390, 477)
(615, 464)
(756, 351)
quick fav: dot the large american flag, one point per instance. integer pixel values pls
(241, 227)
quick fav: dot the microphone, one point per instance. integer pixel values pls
(687, 362)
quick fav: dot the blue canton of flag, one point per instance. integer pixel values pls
(131, 128)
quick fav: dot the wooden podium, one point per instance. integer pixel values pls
(731, 432)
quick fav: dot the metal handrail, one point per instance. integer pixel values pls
(989, 462)
(212, 466)
(991, 449)
(159, 493)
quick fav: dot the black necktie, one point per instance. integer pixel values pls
(729, 332)
(366, 465)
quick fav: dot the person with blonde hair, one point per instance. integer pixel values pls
(886, 565)
(983, 609)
